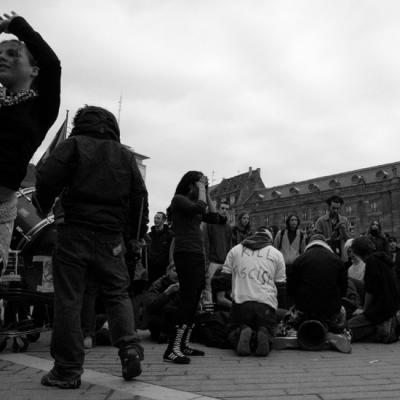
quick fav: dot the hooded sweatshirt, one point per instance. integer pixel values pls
(98, 178)
(255, 266)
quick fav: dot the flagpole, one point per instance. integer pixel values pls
(119, 107)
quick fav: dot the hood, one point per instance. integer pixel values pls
(96, 122)
(318, 243)
(258, 241)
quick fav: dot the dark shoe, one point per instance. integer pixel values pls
(52, 380)
(243, 347)
(263, 343)
(130, 361)
(340, 341)
(173, 352)
(387, 330)
(186, 349)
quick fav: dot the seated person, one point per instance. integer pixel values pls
(161, 305)
(376, 321)
(258, 272)
(221, 286)
(317, 283)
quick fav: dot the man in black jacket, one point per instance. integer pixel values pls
(317, 283)
(105, 201)
(160, 242)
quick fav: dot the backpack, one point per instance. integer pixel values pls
(211, 329)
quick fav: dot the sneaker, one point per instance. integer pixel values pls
(263, 343)
(50, 379)
(243, 346)
(87, 342)
(130, 361)
(340, 341)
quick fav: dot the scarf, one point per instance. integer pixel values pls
(258, 241)
(7, 100)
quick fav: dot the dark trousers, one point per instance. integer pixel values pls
(191, 269)
(253, 314)
(79, 250)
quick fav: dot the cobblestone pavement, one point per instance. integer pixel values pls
(370, 372)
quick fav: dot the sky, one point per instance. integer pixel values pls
(299, 89)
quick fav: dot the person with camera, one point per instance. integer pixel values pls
(30, 74)
(190, 206)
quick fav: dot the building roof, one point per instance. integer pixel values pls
(334, 181)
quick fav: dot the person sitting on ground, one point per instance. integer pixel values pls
(376, 321)
(161, 305)
(317, 283)
(221, 286)
(258, 272)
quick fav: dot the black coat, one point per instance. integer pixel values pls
(99, 179)
(317, 282)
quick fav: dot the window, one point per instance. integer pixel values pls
(374, 206)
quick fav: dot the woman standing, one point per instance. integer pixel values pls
(242, 228)
(187, 210)
(290, 241)
(30, 75)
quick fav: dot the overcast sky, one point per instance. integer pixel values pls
(297, 88)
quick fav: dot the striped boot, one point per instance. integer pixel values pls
(173, 352)
(186, 349)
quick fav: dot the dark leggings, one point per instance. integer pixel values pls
(190, 268)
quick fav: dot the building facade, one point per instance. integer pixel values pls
(369, 194)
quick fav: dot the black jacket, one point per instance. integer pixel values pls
(23, 126)
(158, 253)
(98, 179)
(317, 282)
(380, 282)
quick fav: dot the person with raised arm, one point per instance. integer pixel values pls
(30, 74)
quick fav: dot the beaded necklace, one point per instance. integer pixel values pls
(7, 100)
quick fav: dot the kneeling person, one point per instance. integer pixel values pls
(258, 272)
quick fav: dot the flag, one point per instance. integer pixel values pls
(58, 138)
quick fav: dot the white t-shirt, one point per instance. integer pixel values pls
(254, 273)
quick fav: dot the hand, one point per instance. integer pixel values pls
(357, 311)
(136, 248)
(5, 21)
(202, 182)
(172, 289)
(42, 214)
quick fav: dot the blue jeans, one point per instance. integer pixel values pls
(79, 251)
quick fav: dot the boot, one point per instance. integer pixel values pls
(173, 352)
(130, 361)
(186, 349)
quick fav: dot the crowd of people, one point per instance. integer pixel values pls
(239, 287)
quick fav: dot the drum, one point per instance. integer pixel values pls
(31, 231)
